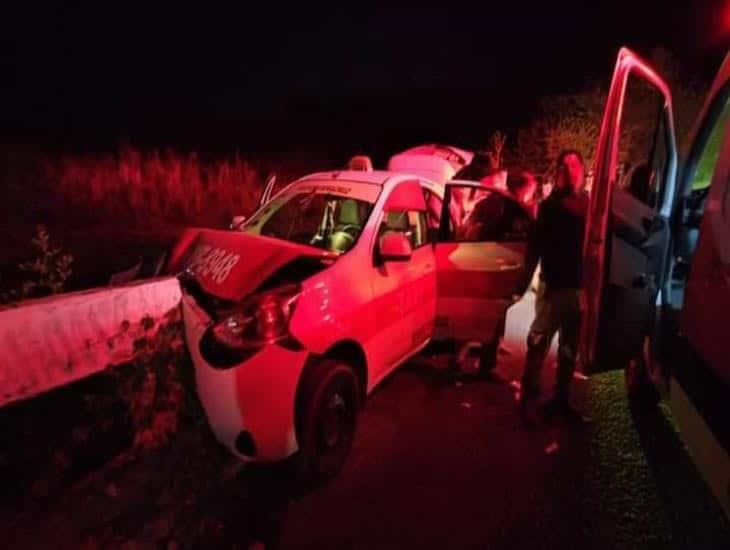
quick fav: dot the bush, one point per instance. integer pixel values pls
(48, 271)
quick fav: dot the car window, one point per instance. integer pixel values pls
(704, 172)
(643, 147)
(329, 221)
(433, 212)
(708, 159)
(410, 222)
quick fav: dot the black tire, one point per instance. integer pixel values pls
(327, 407)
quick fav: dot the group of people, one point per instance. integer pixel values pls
(556, 244)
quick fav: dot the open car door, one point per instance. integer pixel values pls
(480, 260)
(628, 226)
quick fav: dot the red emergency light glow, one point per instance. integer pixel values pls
(719, 25)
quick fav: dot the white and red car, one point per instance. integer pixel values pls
(294, 318)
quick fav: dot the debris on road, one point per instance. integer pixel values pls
(552, 448)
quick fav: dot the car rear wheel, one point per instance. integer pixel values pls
(329, 401)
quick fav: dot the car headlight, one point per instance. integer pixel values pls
(260, 320)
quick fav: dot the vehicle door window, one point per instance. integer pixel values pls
(704, 173)
(705, 168)
(433, 212)
(412, 223)
(643, 148)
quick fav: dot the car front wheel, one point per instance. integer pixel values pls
(329, 401)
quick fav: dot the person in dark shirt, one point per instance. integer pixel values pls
(557, 243)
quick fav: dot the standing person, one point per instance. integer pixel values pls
(557, 243)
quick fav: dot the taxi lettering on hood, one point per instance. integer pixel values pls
(231, 265)
(213, 262)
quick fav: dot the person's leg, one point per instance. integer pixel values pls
(569, 307)
(539, 338)
(568, 343)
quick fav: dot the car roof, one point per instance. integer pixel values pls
(384, 178)
(377, 177)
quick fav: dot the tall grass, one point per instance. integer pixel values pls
(110, 208)
(155, 188)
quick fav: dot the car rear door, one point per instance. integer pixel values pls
(628, 230)
(480, 260)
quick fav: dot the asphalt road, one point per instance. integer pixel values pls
(442, 461)
(439, 461)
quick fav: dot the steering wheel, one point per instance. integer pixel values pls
(340, 241)
(350, 228)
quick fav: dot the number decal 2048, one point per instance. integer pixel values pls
(215, 263)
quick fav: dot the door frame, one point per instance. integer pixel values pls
(605, 175)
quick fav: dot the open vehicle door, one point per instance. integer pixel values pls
(628, 227)
(480, 260)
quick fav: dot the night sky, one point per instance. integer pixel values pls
(277, 77)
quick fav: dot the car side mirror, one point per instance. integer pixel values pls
(237, 222)
(395, 247)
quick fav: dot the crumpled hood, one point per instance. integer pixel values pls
(230, 264)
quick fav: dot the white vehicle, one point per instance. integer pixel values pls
(333, 283)
(657, 263)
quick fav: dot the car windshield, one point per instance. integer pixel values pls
(324, 216)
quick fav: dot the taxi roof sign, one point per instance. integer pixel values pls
(360, 163)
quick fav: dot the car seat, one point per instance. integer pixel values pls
(349, 214)
(343, 235)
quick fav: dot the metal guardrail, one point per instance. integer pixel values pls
(54, 341)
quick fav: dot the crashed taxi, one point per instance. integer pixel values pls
(295, 317)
